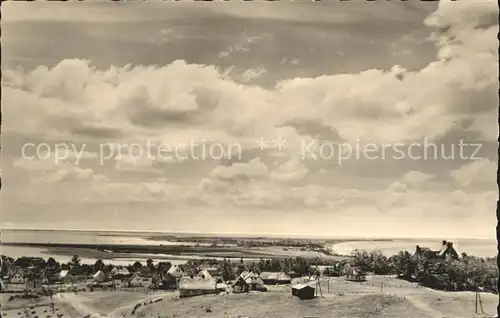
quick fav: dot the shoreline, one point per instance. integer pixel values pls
(169, 252)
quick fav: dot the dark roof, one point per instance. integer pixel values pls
(302, 286)
(240, 280)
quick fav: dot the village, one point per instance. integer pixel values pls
(142, 287)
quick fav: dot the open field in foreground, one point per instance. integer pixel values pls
(341, 299)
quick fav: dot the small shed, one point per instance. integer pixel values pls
(304, 291)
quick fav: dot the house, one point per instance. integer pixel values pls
(145, 271)
(204, 274)
(175, 271)
(137, 280)
(196, 286)
(240, 285)
(99, 276)
(168, 283)
(118, 272)
(71, 275)
(213, 271)
(446, 251)
(424, 252)
(13, 270)
(303, 291)
(278, 278)
(17, 278)
(354, 274)
(254, 281)
(63, 275)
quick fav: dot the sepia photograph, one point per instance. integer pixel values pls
(249, 159)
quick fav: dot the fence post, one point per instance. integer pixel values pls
(382, 287)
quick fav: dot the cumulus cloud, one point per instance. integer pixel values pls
(476, 173)
(374, 105)
(50, 169)
(417, 177)
(254, 169)
(253, 73)
(180, 103)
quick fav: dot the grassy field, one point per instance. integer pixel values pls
(377, 297)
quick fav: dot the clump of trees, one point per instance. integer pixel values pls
(465, 273)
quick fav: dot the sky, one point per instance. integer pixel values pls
(329, 118)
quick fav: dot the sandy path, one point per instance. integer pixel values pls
(78, 305)
(424, 307)
(76, 302)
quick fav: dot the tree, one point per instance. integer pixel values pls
(137, 265)
(227, 271)
(75, 260)
(51, 262)
(98, 265)
(150, 264)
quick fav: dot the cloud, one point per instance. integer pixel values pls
(417, 177)
(253, 73)
(291, 170)
(478, 173)
(49, 169)
(181, 103)
(241, 46)
(252, 170)
(373, 105)
(133, 162)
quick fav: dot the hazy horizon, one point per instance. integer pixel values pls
(247, 235)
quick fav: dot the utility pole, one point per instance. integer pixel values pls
(381, 287)
(475, 303)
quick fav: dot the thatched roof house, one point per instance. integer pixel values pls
(240, 285)
(119, 272)
(446, 250)
(273, 278)
(196, 286)
(354, 273)
(176, 271)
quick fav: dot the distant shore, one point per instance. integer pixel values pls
(179, 252)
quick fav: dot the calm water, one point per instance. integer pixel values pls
(477, 247)
(86, 237)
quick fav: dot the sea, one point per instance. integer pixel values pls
(476, 247)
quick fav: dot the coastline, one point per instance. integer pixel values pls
(168, 252)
